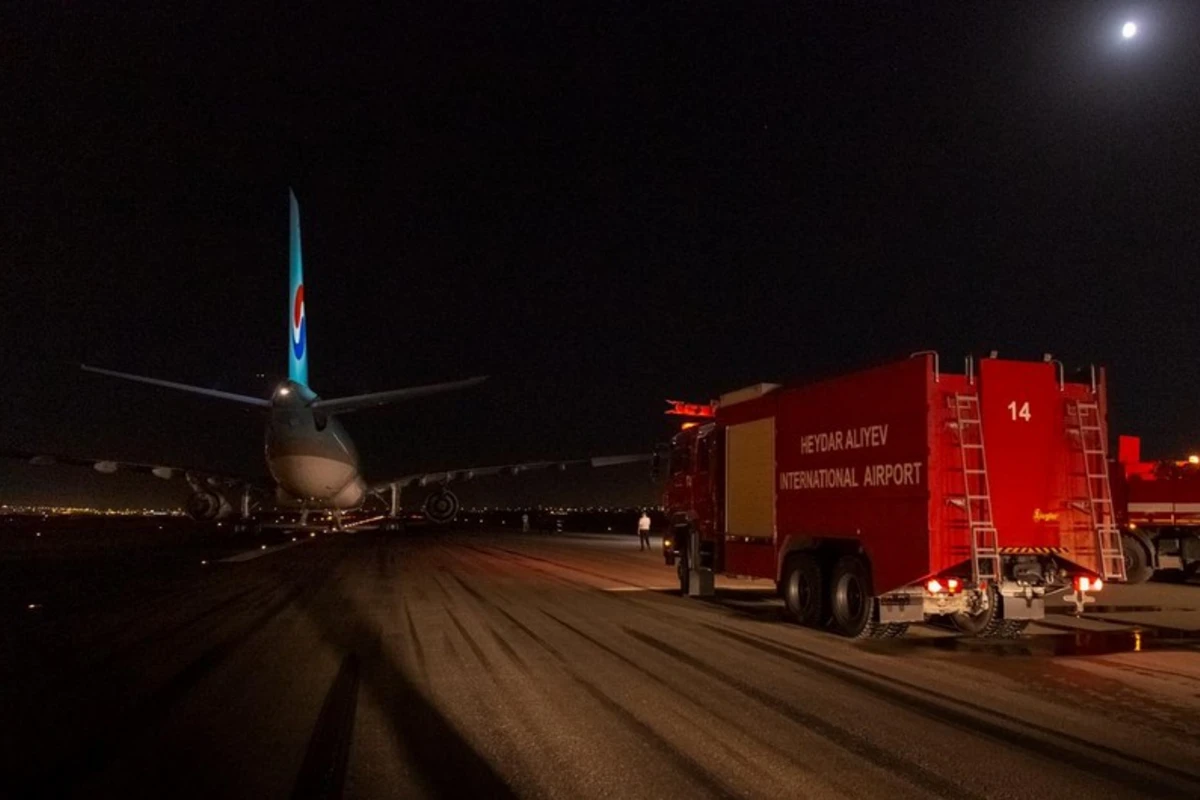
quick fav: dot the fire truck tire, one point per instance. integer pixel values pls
(852, 602)
(989, 624)
(1137, 560)
(802, 590)
(1012, 628)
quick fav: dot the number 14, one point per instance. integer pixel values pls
(1023, 412)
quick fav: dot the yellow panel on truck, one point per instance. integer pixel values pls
(750, 479)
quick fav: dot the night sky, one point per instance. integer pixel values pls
(599, 210)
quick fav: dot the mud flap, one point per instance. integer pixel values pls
(1022, 607)
(899, 608)
(700, 580)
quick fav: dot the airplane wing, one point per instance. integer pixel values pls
(109, 466)
(446, 476)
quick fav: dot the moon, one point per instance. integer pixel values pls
(1129, 30)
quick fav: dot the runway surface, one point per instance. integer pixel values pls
(483, 665)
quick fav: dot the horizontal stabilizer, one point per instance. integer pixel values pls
(237, 398)
(341, 405)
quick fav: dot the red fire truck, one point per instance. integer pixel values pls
(1158, 508)
(874, 500)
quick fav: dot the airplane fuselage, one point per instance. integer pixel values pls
(309, 454)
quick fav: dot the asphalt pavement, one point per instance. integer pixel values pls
(474, 664)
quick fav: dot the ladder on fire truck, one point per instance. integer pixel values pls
(1084, 419)
(977, 495)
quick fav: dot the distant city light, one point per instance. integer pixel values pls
(1129, 30)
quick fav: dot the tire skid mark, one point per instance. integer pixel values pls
(99, 749)
(418, 650)
(322, 774)
(449, 650)
(445, 593)
(1145, 671)
(500, 640)
(766, 744)
(508, 559)
(1027, 737)
(687, 765)
(475, 648)
(833, 665)
(570, 567)
(122, 651)
(847, 740)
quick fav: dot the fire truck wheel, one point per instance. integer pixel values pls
(803, 593)
(852, 600)
(1137, 561)
(1012, 628)
(989, 623)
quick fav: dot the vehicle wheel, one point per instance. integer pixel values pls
(1137, 560)
(684, 573)
(985, 622)
(852, 600)
(802, 589)
(1012, 628)
(989, 624)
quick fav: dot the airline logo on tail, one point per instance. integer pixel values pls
(299, 325)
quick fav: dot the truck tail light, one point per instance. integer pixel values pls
(950, 586)
(1085, 584)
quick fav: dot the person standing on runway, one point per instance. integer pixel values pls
(644, 532)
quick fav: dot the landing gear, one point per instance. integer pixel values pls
(803, 590)
(853, 602)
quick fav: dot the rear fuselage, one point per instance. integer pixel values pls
(309, 454)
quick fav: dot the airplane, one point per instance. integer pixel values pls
(310, 456)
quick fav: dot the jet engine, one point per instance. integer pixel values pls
(205, 506)
(441, 507)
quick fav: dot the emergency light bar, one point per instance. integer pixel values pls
(679, 408)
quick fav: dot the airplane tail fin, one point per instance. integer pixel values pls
(297, 321)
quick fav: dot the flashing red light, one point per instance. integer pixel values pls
(952, 584)
(1085, 584)
(679, 408)
(934, 586)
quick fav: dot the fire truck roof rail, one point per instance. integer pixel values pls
(937, 370)
(748, 393)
